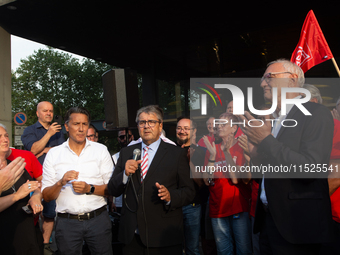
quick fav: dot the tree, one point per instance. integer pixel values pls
(49, 75)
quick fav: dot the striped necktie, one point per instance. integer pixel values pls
(144, 164)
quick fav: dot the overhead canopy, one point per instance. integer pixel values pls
(174, 39)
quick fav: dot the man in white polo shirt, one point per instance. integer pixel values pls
(75, 173)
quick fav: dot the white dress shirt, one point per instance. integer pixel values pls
(94, 165)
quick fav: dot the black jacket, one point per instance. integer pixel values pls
(159, 225)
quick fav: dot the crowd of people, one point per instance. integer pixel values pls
(165, 207)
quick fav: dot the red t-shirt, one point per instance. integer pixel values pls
(33, 166)
(239, 132)
(210, 138)
(335, 201)
(227, 199)
(254, 193)
(335, 154)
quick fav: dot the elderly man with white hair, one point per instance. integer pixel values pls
(293, 212)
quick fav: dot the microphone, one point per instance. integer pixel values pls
(136, 153)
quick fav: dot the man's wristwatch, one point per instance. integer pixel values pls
(91, 190)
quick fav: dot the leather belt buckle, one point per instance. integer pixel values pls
(80, 218)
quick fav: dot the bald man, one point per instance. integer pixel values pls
(43, 135)
(39, 138)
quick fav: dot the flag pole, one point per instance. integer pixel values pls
(336, 66)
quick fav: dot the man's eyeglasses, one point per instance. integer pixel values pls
(267, 77)
(151, 123)
(185, 129)
(91, 136)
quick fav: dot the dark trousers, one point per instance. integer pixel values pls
(332, 248)
(40, 239)
(136, 247)
(70, 234)
(272, 242)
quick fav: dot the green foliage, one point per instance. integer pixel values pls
(57, 77)
(50, 75)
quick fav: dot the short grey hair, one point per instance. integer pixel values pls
(315, 92)
(151, 109)
(292, 68)
(3, 126)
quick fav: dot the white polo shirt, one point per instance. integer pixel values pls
(94, 165)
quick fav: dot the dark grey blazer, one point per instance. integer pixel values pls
(300, 208)
(159, 224)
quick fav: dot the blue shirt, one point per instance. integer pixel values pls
(34, 133)
(151, 152)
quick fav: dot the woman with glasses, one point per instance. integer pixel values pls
(18, 204)
(211, 130)
(229, 200)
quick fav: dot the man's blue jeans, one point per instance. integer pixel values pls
(233, 229)
(192, 228)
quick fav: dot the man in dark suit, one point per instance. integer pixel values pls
(293, 214)
(154, 193)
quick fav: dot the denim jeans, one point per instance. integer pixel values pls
(230, 230)
(255, 238)
(192, 228)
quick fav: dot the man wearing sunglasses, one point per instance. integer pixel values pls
(123, 139)
(155, 187)
(92, 134)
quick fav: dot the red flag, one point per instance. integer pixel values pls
(312, 48)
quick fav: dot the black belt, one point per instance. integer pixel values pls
(83, 216)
